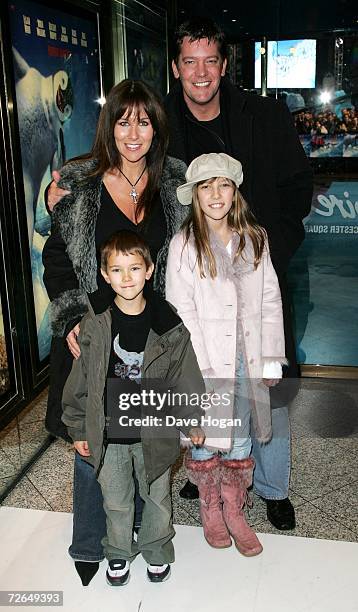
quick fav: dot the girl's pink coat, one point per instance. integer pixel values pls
(210, 307)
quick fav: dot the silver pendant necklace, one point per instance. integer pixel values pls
(133, 192)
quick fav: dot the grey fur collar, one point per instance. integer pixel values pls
(73, 173)
(227, 267)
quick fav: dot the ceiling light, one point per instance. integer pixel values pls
(325, 97)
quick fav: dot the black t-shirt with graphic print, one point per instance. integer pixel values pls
(129, 336)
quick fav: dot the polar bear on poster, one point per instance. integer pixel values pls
(43, 106)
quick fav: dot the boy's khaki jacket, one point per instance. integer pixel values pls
(168, 355)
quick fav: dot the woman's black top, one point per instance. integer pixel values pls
(59, 274)
(111, 219)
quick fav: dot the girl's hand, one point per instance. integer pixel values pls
(271, 382)
(81, 447)
(72, 343)
(197, 436)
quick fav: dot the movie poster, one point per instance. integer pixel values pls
(323, 277)
(56, 72)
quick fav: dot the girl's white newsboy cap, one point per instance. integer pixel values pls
(207, 166)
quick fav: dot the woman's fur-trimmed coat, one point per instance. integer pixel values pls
(239, 310)
(69, 255)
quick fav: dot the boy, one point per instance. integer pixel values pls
(137, 339)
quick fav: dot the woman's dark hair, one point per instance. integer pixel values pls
(124, 99)
(197, 28)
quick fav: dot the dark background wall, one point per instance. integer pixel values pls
(271, 17)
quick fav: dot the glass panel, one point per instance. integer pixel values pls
(140, 43)
(234, 63)
(324, 271)
(10, 463)
(4, 365)
(56, 71)
(21, 439)
(55, 61)
(119, 54)
(324, 277)
(8, 385)
(316, 74)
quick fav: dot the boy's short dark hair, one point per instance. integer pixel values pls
(197, 28)
(126, 242)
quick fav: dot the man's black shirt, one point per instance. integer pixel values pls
(205, 136)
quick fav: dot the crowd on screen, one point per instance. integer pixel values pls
(327, 122)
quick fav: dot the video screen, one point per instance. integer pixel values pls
(290, 64)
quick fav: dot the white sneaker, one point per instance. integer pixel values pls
(158, 573)
(117, 572)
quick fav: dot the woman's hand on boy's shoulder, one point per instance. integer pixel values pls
(72, 343)
(197, 436)
(81, 447)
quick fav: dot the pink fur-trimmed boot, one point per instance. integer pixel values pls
(236, 478)
(206, 476)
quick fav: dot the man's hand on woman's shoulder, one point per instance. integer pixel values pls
(55, 193)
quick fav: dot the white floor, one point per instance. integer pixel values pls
(292, 574)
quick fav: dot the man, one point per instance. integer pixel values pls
(208, 114)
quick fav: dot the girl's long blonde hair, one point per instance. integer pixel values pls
(240, 219)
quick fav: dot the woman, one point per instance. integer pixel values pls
(125, 182)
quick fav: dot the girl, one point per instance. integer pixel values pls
(221, 279)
